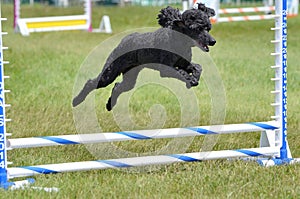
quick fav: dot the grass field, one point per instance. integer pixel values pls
(44, 67)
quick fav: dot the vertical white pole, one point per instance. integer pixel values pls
(281, 76)
(16, 13)
(185, 5)
(284, 151)
(3, 153)
(88, 13)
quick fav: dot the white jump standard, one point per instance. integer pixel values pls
(273, 144)
(59, 23)
(55, 23)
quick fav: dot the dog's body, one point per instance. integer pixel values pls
(169, 46)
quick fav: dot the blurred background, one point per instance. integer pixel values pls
(128, 2)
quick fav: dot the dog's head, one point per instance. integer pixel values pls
(194, 22)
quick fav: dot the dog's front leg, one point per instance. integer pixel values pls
(192, 72)
(187, 78)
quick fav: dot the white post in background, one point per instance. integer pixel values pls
(268, 3)
(63, 3)
(88, 12)
(292, 7)
(185, 5)
(16, 14)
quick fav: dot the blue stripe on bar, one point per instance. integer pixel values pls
(202, 131)
(40, 170)
(58, 140)
(184, 158)
(247, 152)
(264, 126)
(134, 135)
(114, 163)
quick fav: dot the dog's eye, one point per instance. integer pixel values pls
(193, 18)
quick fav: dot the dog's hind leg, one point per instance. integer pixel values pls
(89, 86)
(128, 83)
(106, 77)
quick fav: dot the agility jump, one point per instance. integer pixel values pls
(59, 23)
(223, 14)
(273, 150)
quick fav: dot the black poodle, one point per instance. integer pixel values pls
(168, 46)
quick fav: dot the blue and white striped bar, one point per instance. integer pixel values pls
(140, 135)
(139, 161)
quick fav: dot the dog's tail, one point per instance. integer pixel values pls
(168, 16)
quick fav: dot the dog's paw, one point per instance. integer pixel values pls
(188, 85)
(77, 100)
(184, 74)
(75, 103)
(194, 83)
(196, 71)
(108, 105)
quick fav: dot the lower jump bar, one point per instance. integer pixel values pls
(139, 161)
(139, 135)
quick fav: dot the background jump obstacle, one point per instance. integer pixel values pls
(267, 9)
(273, 144)
(58, 23)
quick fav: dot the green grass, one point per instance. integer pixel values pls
(43, 70)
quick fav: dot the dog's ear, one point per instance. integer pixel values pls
(169, 17)
(209, 11)
(195, 19)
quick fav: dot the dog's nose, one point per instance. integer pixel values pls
(212, 42)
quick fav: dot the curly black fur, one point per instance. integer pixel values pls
(168, 16)
(139, 50)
